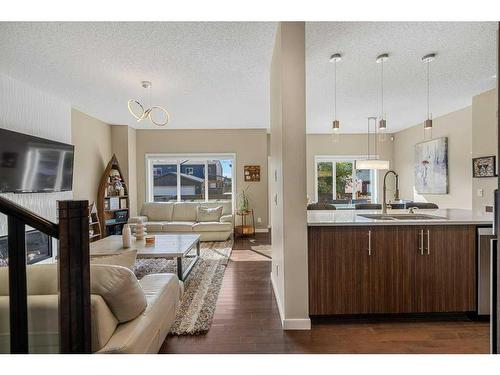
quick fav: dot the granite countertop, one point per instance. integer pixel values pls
(443, 217)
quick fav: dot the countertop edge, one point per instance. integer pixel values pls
(400, 223)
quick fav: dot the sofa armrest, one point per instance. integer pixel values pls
(226, 219)
(137, 219)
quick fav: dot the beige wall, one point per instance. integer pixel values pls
(288, 188)
(132, 165)
(249, 145)
(123, 142)
(349, 144)
(457, 126)
(471, 132)
(93, 150)
(484, 143)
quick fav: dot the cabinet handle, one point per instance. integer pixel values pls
(421, 241)
(369, 242)
(428, 242)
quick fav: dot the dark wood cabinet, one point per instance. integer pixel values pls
(445, 269)
(337, 270)
(391, 269)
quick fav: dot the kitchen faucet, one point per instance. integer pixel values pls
(396, 192)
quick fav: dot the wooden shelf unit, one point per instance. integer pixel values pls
(94, 224)
(110, 203)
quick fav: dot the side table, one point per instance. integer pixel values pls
(247, 226)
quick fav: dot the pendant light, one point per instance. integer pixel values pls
(157, 115)
(382, 123)
(335, 58)
(427, 59)
(371, 162)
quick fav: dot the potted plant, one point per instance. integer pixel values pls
(243, 200)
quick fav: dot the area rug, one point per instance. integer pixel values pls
(265, 250)
(201, 288)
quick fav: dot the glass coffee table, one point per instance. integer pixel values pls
(176, 246)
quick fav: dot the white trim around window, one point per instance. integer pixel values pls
(337, 158)
(176, 158)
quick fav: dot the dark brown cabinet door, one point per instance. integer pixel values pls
(445, 275)
(389, 267)
(337, 270)
(392, 269)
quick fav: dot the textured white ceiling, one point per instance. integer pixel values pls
(216, 75)
(464, 67)
(207, 74)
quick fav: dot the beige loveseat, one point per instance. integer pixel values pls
(184, 217)
(128, 315)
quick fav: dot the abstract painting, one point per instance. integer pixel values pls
(431, 166)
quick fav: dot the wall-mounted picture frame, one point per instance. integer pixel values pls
(431, 166)
(252, 173)
(484, 166)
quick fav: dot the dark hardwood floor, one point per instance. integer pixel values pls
(247, 321)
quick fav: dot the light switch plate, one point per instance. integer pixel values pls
(479, 192)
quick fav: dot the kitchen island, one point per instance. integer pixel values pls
(362, 263)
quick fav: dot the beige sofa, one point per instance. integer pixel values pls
(128, 315)
(184, 217)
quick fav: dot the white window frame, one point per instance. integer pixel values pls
(342, 158)
(150, 159)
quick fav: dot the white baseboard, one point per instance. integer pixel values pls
(296, 324)
(261, 230)
(289, 324)
(277, 298)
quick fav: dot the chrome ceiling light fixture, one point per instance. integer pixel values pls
(427, 59)
(382, 122)
(335, 58)
(372, 161)
(158, 116)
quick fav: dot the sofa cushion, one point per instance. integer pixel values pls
(226, 219)
(157, 284)
(155, 226)
(178, 226)
(209, 213)
(119, 287)
(103, 322)
(147, 333)
(157, 211)
(212, 226)
(185, 211)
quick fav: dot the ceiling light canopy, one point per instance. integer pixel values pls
(158, 116)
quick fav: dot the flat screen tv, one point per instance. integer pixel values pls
(33, 165)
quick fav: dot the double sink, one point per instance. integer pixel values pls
(401, 216)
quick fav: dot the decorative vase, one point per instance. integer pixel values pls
(126, 236)
(244, 203)
(140, 230)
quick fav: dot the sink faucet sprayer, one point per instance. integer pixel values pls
(396, 192)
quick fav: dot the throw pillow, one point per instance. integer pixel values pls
(209, 214)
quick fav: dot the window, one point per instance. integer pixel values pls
(337, 179)
(195, 178)
(164, 182)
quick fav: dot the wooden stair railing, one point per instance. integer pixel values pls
(73, 269)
